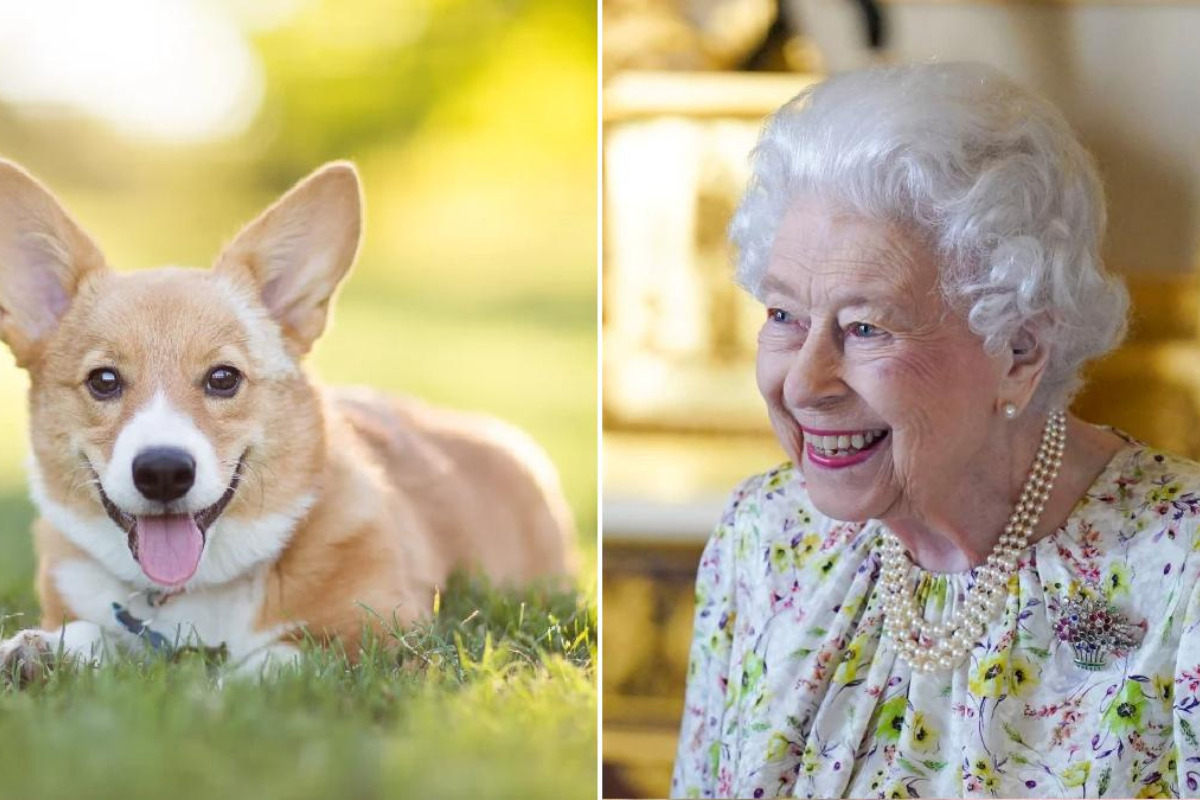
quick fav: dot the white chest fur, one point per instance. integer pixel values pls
(208, 616)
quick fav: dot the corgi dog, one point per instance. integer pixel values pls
(195, 486)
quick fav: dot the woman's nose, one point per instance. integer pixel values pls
(814, 377)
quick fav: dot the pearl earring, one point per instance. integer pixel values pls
(1010, 410)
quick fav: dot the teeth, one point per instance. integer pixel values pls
(845, 444)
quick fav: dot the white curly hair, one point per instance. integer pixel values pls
(988, 171)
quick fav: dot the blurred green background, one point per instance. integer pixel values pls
(165, 127)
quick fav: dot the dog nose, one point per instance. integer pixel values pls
(164, 473)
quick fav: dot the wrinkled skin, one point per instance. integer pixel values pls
(858, 336)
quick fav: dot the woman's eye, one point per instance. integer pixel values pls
(104, 383)
(778, 315)
(863, 330)
(223, 381)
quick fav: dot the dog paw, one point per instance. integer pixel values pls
(24, 659)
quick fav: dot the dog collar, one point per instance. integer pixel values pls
(160, 644)
(156, 598)
(150, 637)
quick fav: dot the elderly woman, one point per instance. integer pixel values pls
(954, 588)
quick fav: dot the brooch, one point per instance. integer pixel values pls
(1095, 629)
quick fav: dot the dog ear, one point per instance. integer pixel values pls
(44, 257)
(298, 250)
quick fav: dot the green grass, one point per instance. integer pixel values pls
(492, 698)
(495, 697)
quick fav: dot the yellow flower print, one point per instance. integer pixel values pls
(1164, 689)
(891, 719)
(1021, 676)
(897, 790)
(1077, 774)
(990, 678)
(826, 565)
(924, 735)
(777, 745)
(1164, 494)
(785, 556)
(776, 480)
(1082, 591)
(724, 633)
(1125, 712)
(1000, 674)
(1116, 580)
(1167, 764)
(1156, 788)
(808, 545)
(981, 768)
(1170, 763)
(809, 761)
(781, 557)
(847, 670)
(753, 667)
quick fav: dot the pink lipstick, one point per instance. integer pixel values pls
(841, 449)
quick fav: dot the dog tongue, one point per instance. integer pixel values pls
(169, 547)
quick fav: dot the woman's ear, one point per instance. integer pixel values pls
(1025, 359)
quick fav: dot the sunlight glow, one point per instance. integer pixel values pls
(178, 70)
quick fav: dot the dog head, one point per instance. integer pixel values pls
(174, 435)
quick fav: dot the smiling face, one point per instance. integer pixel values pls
(876, 389)
(160, 404)
(170, 418)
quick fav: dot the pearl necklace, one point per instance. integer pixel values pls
(927, 646)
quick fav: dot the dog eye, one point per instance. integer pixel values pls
(223, 381)
(104, 383)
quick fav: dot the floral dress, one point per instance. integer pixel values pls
(794, 691)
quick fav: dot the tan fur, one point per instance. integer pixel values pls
(405, 493)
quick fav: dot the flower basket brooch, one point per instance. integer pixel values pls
(1095, 629)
